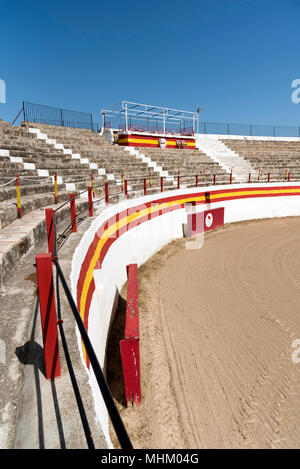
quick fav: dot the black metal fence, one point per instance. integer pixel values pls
(58, 116)
(249, 130)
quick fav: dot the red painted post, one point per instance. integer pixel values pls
(249, 180)
(161, 184)
(91, 214)
(18, 196)
(269, 177)
(129, 346)
(231, 177)
(106, 193)
(50, 228)
(93, 185)
(73, 213)
(145, 186)
(55, 188)
(197, 181)
(178, 180)
(126, 189)
(289, 177)
(214, 179)
(48, 314)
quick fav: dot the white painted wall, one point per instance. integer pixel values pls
(140, 243)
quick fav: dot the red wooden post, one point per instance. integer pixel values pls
(18, 196)
(50, 228)
(129, 346)
(269, 177)
(161, 184)
(106, 193)
(73, 213)
(126, 189)
(214, 179)
(90, 201)
(249, 180)
(231, 177)
(197, 181)
(145, 186)
(178, 180)
(48, 314)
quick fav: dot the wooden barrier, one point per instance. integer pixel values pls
(129, 346)
(48, 314)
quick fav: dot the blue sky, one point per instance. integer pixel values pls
(235, 58)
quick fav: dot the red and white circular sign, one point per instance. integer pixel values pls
(209, 220)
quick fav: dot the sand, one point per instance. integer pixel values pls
(217, 327)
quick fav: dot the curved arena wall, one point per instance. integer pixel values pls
(133, 230)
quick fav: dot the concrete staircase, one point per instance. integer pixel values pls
(228, 159)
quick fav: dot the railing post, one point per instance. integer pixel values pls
(161, 184)
(269, 177)
(93, 185)
(18, 189)
(129, 346)
(90, 197)
(55, 188)
(126, 189)
(289, 177)
(203, 175)
(197, 180)
(178, 180)
(145, 186)
(106, 193)
(249, 180)
(73, 213)
(48, 314)
(150, 183)
(49, 213)
(231, 177)
(214, 179)
(122, 182)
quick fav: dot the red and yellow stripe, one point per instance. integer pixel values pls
(128, 219)
(150, 141)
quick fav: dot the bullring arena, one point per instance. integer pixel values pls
(149, 283)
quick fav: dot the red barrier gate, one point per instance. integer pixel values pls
(130, 351)
(48, 314)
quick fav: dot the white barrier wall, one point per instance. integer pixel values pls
(137, 244)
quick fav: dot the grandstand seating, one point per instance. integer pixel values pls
(189, 162)
(277, 157)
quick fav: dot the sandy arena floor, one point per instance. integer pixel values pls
(217, 326)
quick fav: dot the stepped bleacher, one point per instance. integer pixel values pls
(190, 163)
(277, 157)
(110, 161)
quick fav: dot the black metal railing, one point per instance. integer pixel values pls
(248, 130)
(113, 412)
(39, 113)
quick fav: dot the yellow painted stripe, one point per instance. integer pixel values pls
(18, 197)
(152, 142)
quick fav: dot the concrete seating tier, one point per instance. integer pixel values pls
(270, 156)
(189, 162)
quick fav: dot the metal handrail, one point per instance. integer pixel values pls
(113, 412)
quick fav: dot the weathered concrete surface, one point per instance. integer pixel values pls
(34, 412)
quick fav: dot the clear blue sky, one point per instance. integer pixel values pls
(235, 58)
